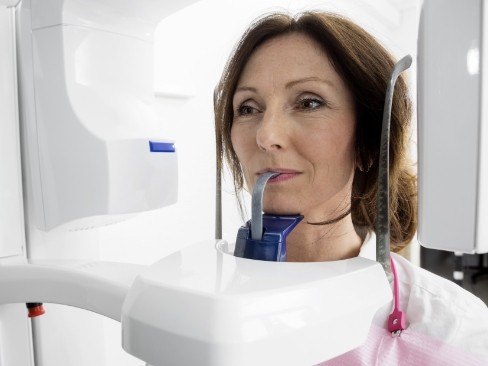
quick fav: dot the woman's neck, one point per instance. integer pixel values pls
(318, 243)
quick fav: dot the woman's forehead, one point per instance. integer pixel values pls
(287, 58)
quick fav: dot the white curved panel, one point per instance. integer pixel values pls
(449, 126)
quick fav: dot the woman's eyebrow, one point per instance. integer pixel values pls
(245, 88)
(311, 78)
(290, 84)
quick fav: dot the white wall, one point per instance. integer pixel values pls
(192, 47)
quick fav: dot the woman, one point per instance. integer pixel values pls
(303, 96)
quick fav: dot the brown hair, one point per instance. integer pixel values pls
(365, 67)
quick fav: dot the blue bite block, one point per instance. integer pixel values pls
(272, 246)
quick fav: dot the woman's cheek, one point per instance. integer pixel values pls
(241, 146)
(243, 137)
(236, 138)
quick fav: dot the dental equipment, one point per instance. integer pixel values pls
(249, 311)
(264, 237)
(452, 126)
(88, 159)
(397, 320)
(383, 215)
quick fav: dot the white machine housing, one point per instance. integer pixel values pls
(453, 126)
(88, 112)
(204, 306)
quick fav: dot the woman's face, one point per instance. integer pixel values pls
(294, 115)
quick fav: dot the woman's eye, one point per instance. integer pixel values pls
(310, 103)
(246, 110)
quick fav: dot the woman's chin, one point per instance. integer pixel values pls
(281, 209)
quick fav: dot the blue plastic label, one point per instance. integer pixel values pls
(162, 146)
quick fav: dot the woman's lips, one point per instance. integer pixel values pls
(284, 175)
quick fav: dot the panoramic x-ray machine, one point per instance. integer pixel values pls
(88, 161)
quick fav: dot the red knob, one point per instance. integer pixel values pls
(35, 309)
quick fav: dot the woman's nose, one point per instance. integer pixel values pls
(271, 134)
